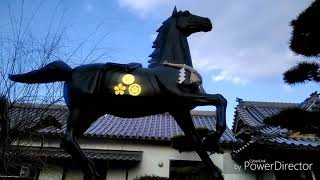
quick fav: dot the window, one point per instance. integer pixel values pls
(19, 172)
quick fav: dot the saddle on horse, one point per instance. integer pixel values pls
(118, 79)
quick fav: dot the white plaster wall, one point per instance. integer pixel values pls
(73, 174)
(227, 165)
(51, 173)
(116, 174)
(152, 155)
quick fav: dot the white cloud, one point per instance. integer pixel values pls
(244, 65)
(249, 40)
(227, 76)
(141, 7)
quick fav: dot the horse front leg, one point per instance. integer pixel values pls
(220, 103)
(185, 122)
(221, 108)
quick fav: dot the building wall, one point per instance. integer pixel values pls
(152, 156)
(74, 174)
(51, 173)
(118, 174)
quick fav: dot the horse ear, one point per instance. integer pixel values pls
(174, 11)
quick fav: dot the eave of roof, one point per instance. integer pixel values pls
(95, 154)
(293, 142)
(247, 112)
(252, 114)
(280, 142)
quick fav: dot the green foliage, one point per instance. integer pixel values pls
(297, 119)
(187, 170)
(150, 177)
(303, 72)
(190, 169)
(305, 38)
(180, 142)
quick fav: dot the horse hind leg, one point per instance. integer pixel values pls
(184, 120)
(75, 128)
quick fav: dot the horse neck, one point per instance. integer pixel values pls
(176, 49)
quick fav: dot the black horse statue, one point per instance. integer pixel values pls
(169, 84)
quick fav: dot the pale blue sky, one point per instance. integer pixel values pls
(243, 56)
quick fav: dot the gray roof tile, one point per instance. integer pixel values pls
(160, 127)
(253, 113)
(295, 142)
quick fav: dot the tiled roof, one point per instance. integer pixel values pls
(252, 114)
(300, 142)
(312, 102)
(161, 127)
(95, 154)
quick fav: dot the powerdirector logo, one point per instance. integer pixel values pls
(231, 167)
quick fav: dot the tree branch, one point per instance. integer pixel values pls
(302, 72)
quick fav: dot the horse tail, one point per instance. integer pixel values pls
(52, 72)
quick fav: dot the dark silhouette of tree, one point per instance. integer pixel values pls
(305, 37)
(305, 40)
(21, 50)
(296, 119)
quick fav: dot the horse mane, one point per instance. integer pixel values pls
(157, 44)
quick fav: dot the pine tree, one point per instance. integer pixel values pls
(305, 40)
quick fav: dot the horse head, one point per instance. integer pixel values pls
(189, 23)
(171, 44)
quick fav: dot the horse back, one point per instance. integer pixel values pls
(114, 80)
